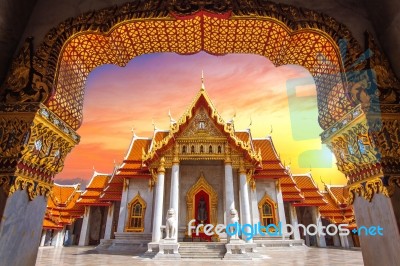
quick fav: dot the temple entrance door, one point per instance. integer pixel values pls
(202, 201)
(202, 207)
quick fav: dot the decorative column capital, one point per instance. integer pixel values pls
(175, 158)
(33, 145)
(242, 169)
(228, 159)
(161, 167)
(365, 145)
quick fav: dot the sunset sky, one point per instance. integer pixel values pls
(119, 99)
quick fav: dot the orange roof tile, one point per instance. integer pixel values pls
(113, 190)
(98, 181)
(338, 193)
(271, 166)
(268, 152)
(59, 213)
(91, 196)
(160, 135)
(335, 213)
(48, 224)
(61, 195)
(310, 191)
(136, 148)
(243, 135)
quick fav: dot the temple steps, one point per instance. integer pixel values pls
(267, 242)
(202, 250)
(126, 241)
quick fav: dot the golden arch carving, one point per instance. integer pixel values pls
(101, 30)
(202, 184)
(267, 199)
(135, 222)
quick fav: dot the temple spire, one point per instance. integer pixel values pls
(202, 81)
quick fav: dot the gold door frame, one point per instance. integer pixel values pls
(202, 184)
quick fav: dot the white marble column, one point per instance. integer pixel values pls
(344, 241)
(255, 213)
(54, 239)
(316, 216)
(61, 237)
(43, 238)
(229, 194)
(174, 195)
(84, 237)
(281, 207)
(158, 202)
(244, 198)
(109, 222)
(123, 208)
(294, 221)
(336, 240)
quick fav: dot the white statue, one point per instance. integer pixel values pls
(170, 224)
(234, 219)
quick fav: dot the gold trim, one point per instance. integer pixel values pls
(128, 227)
(161, 167)
(273, 205)
(227, 128)
(368, 189)
(33, 188)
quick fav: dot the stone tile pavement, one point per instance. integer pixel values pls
(269, 256)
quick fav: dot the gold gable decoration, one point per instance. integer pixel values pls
(201, 126)
(202, 184)
(228, 129)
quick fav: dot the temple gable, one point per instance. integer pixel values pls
(200, 126)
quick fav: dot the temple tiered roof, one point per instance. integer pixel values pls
(310, 191)
(337, 210)
(94, 189)
(290, 191)
(61, 206)
(271, 165)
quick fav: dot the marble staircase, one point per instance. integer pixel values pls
(125, 242)
(202, 250)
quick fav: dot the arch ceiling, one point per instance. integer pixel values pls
(267, 37)
(282, 33)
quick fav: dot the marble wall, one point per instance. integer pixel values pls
(141, 185)
(21, 229)
(379, 212)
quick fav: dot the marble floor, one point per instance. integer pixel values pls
(269, 256)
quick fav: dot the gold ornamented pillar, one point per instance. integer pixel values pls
(34, 144)
(366, 143)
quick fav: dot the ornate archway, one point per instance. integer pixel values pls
(54, 74)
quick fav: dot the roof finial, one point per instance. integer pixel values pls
(171, 120)
(251, 123)
(202, 81)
